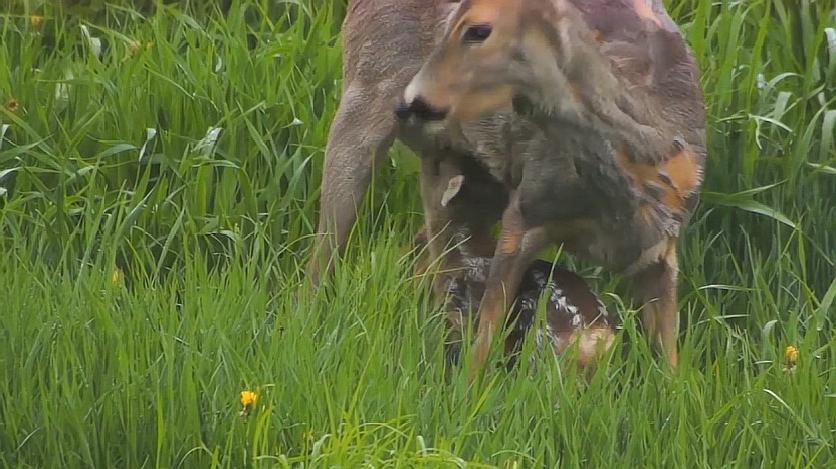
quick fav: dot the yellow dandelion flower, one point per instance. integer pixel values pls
(790, 355)
(116, 276)
(308, 436)
(248, 398)
(36, 20)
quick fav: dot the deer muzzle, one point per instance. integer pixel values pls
(415, 105)
(419, 109)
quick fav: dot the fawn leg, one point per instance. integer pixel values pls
(655, 287)
(518, 245)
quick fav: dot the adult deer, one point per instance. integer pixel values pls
(616, 92)
(385, 42)
(606, 158)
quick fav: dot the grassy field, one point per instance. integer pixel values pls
(159, 175)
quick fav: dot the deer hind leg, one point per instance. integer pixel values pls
(361, 133)
(655, 287)
(518, 246)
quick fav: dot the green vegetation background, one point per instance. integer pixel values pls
(159, 175)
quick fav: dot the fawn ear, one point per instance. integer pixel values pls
(454, 185)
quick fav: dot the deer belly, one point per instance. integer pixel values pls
(617, 245)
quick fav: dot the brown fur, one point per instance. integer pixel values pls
(384, 43)
(615, 91)
(574, 316)
(632, 85)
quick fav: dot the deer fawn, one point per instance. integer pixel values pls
(580, 121)
(574, 314)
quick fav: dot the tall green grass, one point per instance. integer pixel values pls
(159, 174)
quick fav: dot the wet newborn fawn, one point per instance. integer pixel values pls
(615, 171)
(574, 314)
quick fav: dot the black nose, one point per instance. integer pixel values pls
(421, 110)
(402, 111)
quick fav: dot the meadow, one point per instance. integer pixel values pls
(159, 178)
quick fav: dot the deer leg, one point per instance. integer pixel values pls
(655, 288)
(361, 133)
(518, 246)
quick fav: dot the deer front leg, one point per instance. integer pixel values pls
(655, 287)
(517, 247)
(361, 133)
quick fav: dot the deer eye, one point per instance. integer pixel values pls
(477, 33)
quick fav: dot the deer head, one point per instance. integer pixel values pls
(494, 52)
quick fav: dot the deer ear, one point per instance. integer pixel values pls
(454, 185)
